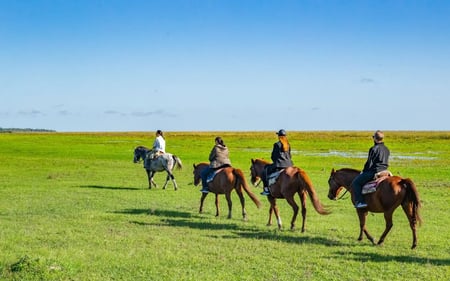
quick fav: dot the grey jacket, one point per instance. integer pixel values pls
(280, 158)
(219, 156)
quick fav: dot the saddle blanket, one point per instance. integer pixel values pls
(371, 186)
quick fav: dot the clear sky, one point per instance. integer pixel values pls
(225, 65)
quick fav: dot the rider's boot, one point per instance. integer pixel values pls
(265, 191)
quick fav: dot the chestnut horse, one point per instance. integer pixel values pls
(391, 193)
(223, 183)
(291, 181)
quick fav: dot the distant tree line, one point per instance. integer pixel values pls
(11, 130)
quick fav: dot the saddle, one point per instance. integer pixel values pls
(371, 186)
(272, 178)
(151, 156)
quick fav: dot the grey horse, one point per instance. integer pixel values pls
(165, 162)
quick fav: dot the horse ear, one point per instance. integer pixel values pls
(332, 171)
(194, 165)
(253, 161)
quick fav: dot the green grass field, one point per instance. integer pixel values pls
(73, 206)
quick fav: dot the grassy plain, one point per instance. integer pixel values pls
(73, 206)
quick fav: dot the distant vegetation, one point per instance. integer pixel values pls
(10, 130)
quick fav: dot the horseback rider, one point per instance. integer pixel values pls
(377, 161)
(159, 145)
(218, 158)
(281, 158)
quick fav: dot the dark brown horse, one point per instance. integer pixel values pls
(391, 193)
(291, 181)
(223, 183)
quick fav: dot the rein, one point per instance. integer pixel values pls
(345, 192)
(342, 196)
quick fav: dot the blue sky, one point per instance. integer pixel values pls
(180, 65)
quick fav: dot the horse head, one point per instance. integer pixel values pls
(339, 180)
(197, 172)
(139, 153)
(333, 186)
(256, 170)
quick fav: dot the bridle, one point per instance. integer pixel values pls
(255, 175)
(343, 194)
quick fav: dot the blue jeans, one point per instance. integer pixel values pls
(204, 175)
(358, 183)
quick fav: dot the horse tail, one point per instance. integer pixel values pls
(307, 184)
(240, 180)
(412, 197)
(178, 163)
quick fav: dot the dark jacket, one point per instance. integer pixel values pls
(219, 156)
(280, 158)
(378, 158)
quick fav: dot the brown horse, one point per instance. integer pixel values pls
(223, 183)
(391, 193)
(291, 181)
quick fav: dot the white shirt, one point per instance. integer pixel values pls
(159, 144)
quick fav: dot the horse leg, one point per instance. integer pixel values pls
(170, 177)
(294, 206)
(202, 199)
(412, 222)
(167, 179)
(269, 223)
(217, 205)
(362, 226)
(175, 186)
(242, 199)
(149, 179)
(274, 208)
(230, 204)
(389, 224)
(303, 196)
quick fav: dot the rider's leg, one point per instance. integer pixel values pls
(266, 171)
(357, 185)
(204, 176)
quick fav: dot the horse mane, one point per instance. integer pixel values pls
(260, 161)
(349, 170)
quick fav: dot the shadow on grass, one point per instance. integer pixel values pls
(170, 218)
(178, 219)
(192, 224)
(155, 212)
(277, 236)
(109, 187)
(374, 257)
